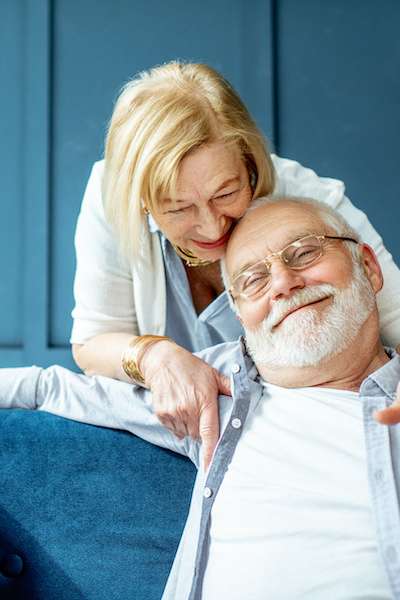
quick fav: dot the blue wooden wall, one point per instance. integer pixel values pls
(321, 79)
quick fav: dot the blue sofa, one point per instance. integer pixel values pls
(86, 513)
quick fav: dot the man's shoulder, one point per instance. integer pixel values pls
(223, 356)
(385, 379)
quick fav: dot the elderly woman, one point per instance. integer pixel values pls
(183, 161)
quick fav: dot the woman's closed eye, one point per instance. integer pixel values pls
(226, 195)
(177, 211)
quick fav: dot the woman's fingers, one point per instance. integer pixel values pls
(167, 416)
(185, 394)
(224, 385)
(209, 430)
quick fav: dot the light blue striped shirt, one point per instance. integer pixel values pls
(216, 324)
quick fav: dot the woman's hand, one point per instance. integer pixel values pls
(390, 415)
(185, 393)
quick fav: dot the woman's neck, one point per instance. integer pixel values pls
(205, 284)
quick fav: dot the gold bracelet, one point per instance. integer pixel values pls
(133, 353)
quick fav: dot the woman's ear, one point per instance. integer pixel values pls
(371, 267)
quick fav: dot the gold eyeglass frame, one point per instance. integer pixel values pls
(279, 254)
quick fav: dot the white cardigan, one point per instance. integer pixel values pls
(115, 295)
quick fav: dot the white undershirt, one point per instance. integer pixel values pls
(292, 518)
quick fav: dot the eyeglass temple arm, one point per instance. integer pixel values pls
(340, 237)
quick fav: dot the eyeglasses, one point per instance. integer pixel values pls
(255, 280)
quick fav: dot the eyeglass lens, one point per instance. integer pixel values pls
(256, 280)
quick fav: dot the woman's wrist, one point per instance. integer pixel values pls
(133, 354)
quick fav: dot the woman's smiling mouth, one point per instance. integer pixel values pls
(215, 244)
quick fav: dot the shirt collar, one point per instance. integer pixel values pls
(251, 368)
(384, 379)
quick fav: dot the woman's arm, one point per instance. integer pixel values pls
(104, 316)
(101, 355)
(184, 388)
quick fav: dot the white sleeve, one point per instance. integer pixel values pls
(294, 179)
(103, 286)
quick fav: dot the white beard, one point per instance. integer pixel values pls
(308, 337)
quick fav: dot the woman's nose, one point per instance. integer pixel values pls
(211, 225)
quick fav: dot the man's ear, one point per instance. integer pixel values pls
(372, 267)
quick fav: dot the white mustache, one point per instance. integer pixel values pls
(305, 296)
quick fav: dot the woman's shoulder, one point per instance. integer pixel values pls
(98, 167)
(92, 207)
(292, 178)
(95, 177)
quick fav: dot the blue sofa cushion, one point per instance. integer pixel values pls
(86, 512)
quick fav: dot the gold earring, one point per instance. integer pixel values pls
(191, 259)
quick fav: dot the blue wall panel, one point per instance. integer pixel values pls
(321, 79)
(12, 181)
(338, 94)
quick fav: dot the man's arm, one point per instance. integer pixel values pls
(94, 400)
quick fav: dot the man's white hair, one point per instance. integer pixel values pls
(329, 216)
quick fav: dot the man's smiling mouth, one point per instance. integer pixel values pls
(296, 308)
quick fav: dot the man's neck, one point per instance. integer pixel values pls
(344, 371)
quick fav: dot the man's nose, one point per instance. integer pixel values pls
(284, 281)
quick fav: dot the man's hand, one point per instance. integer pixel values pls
(185, 393)
(390, 415)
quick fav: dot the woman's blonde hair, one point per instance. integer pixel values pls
(159, 117)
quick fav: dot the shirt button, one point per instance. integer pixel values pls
(379, 475)
(235, 368)
(236, 423)
(207, 492)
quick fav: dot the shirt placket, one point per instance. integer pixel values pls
(383, 489)
(220, 464)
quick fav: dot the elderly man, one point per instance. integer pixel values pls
(300, 500)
